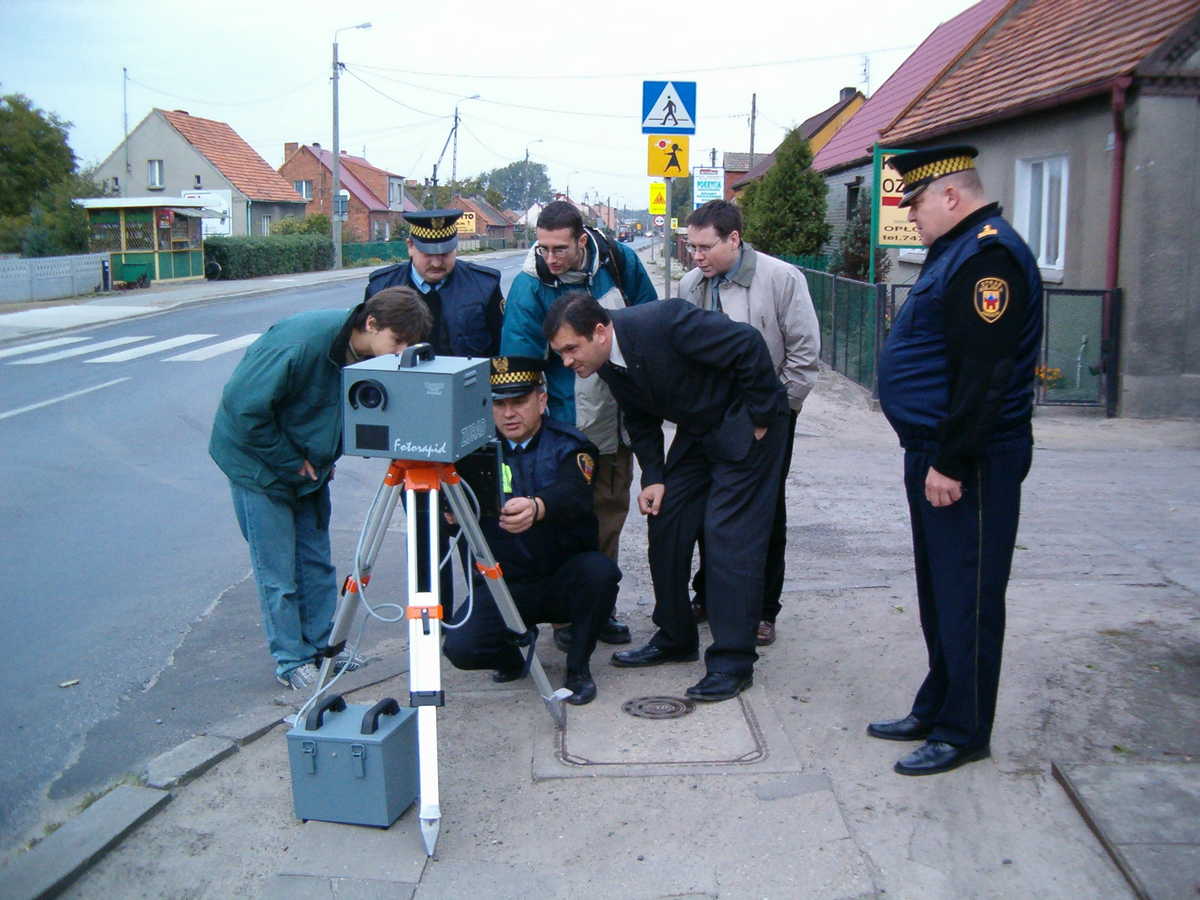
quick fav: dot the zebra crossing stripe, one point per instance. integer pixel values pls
(147, 349)
(77, 351)
(40, 345)
(212, 350)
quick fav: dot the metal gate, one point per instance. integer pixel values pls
(1079, 364)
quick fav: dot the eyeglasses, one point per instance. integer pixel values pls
(703, 248)
(544, 251)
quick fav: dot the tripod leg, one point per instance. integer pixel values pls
(425, 656)
(374, 531)
(461, 508)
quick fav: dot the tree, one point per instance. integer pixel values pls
(785, 212)
(681, 199)
(851, 257)
(520, 184)
(34, 154)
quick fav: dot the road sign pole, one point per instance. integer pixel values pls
(667, 236)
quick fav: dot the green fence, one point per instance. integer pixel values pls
(818, 262)
(388, 251)
(851, 315)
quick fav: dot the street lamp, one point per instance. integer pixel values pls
(454, 157)
(527, 185)
(335, 194)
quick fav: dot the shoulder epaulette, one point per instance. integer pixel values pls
(986, 232)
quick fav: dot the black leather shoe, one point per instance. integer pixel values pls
(581, 686)
(500, 676)
(910, 728)
(562, 638)
(719, 686)
(649, 655)
(615, 632)
(936, 756)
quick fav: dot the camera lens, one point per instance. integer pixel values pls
(367, 394)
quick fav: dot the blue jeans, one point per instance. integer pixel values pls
(297, 583)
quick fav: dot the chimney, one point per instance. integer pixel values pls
(847, 94)
(316, 146)
(182, 112)
(288, 149)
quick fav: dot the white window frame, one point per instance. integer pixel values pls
(154, 174)
(265, 224)
(1034, 210)
(304, 188)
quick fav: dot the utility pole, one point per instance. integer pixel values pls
(753, 116)
(668, 235)
(125, 104)
(454, 152)
(335, 192)
(712, 158)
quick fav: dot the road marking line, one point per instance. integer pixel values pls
(147, 349)
(33, 406)
(212, 350)
(40, 345)
(77, 351)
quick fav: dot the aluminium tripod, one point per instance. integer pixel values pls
(424, 611)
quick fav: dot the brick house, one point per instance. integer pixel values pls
(173, 154)
(377, 197)
(489, 221)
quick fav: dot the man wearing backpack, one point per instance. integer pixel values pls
(568, 256)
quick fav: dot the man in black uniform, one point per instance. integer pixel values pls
(545, 537)
(464, 297)
(956, 382)
(714, 378)
(467, 307)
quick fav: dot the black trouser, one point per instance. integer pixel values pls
(581, 592)
(776, 547)
(731, 505)
(963, 554)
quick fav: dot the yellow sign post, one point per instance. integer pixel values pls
(658, 198)
(674, 223)
(667, 156)
(466, 223)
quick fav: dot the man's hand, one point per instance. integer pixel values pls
(651, 498)
(759, 431)
(308, 471)
(941, 490)
(518, 514)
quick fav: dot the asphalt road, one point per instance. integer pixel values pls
(127, 600)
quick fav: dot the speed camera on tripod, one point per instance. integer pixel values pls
(416, 405)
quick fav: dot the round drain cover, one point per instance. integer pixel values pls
(658, 707)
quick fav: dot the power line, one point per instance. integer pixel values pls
(286, 93)
(372, 87)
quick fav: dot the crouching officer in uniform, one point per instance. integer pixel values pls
(545, 537)
(956, 383)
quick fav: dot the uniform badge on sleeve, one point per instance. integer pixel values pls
(587, 465)
(991, 298)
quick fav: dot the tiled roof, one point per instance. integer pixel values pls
(350, 181)
(1048, 52)
(944, 45)
(738, 162)
(236, 160)
(808, 128)
(761, 167)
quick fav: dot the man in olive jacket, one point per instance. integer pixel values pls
(276, 436)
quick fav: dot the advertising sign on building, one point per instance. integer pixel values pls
(218, 201)
(707, 184)
(466, 223)
(892, 228)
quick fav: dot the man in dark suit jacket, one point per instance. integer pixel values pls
(713, 378)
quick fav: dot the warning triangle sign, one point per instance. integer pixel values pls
(668, 112)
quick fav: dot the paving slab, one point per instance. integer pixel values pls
(1147, 816)
(56, 861)
(334, 850)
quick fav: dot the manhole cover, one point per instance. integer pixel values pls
(658, 707)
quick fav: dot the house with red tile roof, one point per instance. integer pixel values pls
(1085, 113)
(845, 160)
(377, 197)
(818, 129)
(176, 154)
(489, 221)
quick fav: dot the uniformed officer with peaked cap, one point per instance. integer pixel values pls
(464, 297)
(956, 382)
(545, 537)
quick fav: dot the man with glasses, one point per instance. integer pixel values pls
(772, 296)
(566, 257)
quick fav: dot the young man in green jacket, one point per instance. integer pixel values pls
(276, 436)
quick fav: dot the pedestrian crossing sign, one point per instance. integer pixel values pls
(667, 156)
(668, 107)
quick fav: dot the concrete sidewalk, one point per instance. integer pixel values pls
(779, 794)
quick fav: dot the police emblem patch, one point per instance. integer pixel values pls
(437, 222)
(501, 363)
(587, 465)
(991, 298)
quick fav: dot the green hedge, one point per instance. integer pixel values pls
(250, 257)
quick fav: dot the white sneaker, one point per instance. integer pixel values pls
(348, 662)
(300, 678)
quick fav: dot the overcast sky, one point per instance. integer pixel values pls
(563, 80)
